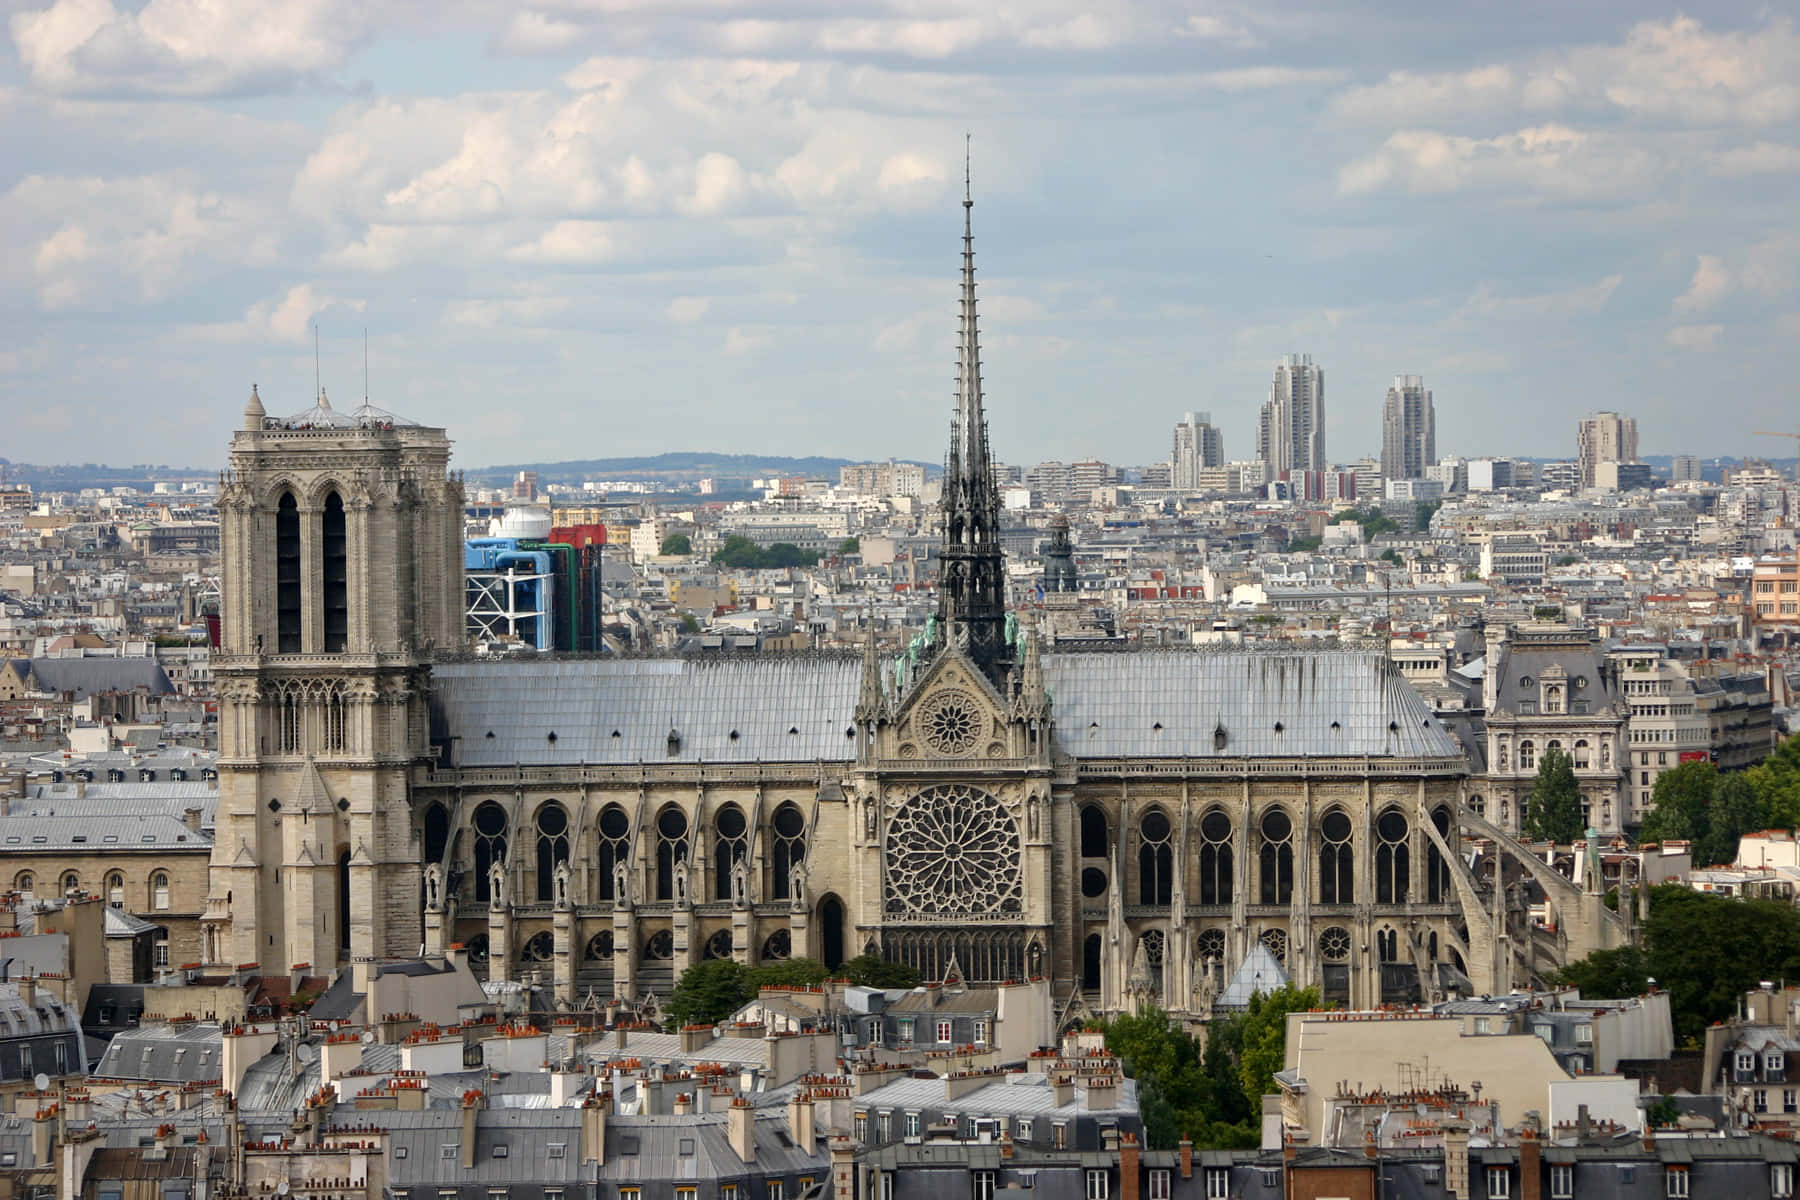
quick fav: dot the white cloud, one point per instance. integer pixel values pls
(185, 47)
(740, 340)
(1758, 158)
(568, 242)
(533, 32)
(1675, 69)
(688, 308)
(286, 318)
(1711, 283)
(1548, 160)
(1484, 306)
(1695, 337)
(106, 243)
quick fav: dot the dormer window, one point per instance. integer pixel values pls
(1774, 1064)
(1553, 698)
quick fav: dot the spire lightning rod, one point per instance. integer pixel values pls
(318, 384)
(365, 364)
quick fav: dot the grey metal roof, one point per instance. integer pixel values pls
(776, 708)
(87, 833)
(1163, 704)
(188, 1053)
(1011, 1095)
(87, 676)
(800, 708)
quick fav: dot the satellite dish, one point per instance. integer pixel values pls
(368, 1037)
(281, 1189)
(307, 1052)
(41, 1082)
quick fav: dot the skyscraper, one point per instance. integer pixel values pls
(1408, 430)
(1291, 433)
(1604, 437)
(1196, 444)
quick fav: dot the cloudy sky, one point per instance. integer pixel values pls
(580, 228)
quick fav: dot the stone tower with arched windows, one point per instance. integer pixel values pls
(342, 551)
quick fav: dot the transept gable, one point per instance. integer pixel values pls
(952, 712)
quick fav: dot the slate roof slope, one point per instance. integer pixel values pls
(87, 676)
(800, 708)
(1269, 704)
(163, 1054)
(89, 833)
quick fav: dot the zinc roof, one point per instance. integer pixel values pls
(800, 708)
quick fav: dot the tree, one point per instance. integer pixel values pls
(787, 972)
(850, 545)
(743, 554)
(1553, 810)
(689, 622)
(1678, 805)
(1737, 808)
(677, 543)
(868, 970)
(1609, 974)
(708, 992)
(1777, 782)
(1263, 1028)
(1704, 950)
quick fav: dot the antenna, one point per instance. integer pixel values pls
(318, 386)
(365, 364)
(968, 153)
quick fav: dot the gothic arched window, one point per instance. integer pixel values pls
(729, 849)
(436, 832)
(1215, 858)
(615, 847)
(1387, 942)
(335, 575)
(1437, 871)
(1337, 884)
(287, 575)
(1090, 963)
(1093, 831)
(1392, 858)
(1276, 859)
(552, 847)
(1156, 859)
(490, 845)
(790, 850)
(671, 849)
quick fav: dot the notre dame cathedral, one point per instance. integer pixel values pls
(1134, 826)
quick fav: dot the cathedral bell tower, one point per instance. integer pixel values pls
(342, 551)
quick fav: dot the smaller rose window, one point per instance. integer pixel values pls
(951, 723)
(1334, 944)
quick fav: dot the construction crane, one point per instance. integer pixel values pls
(1795, 436)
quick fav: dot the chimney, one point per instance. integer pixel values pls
(684, 1104)
(471, 1105)
(1531, 1171)
(1128, 1167)
(28, 990)
(620, 1036)
(1102, 1092)
(1187, 1157)
(43, 1137)
(740, 1127)
(1370, 1149)
(191, 818)
(362, 970)
(457, 956)
(800, 1120)
(843, 1168)
(593, 1128)
(1062, 1089)
(695, 1037)
(1456, 1157)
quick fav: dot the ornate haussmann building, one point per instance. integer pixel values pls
(1135, 826)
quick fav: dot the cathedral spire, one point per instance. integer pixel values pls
(971, 571)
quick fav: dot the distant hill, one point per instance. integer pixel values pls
(682, 466)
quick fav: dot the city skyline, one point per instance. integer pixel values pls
(734, 232)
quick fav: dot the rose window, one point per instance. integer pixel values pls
(1334, 944)
(953, 850)
(1211, 944)
(1275, 940)
(951, 723)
